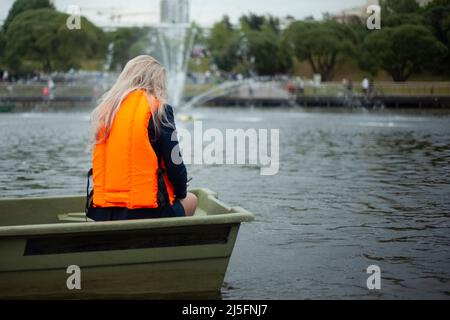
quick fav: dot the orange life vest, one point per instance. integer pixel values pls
(125, 166)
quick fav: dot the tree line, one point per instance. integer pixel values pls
(411, 40)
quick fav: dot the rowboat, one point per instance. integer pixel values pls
(42, 239)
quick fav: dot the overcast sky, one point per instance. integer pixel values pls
(205, 12)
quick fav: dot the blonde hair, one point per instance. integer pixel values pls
(142, 72)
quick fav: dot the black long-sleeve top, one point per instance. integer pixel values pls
(163, 144)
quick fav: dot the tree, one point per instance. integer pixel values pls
(321, 44)
(42, 38)
(223, 44)
(270, 57)
(2, 44)
(403, 50)
(398, 6)
(260, 46)
(257, 23)
(252, 21)
(437, 16)
(128, 42)
(20, 6)
(361, 32)
(399, 19)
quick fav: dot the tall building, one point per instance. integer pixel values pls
(174, 11)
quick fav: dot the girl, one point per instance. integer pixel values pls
(137, 170)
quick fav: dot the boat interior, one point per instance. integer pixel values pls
(68, 209)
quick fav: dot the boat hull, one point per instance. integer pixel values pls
(152, 258)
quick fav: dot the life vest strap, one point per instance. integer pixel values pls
(89, 194)
(163, 196)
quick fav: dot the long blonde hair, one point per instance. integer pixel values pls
(142, 72)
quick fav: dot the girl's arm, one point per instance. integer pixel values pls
(164, 145)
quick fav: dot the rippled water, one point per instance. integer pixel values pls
(354, 189)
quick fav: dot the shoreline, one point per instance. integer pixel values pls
(381, 102)
(27, 104)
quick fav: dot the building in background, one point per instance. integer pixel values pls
(174, 11)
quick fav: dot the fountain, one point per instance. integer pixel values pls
(223, 89)
(171, 43)
(174, 42)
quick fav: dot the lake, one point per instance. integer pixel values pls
(354, 189)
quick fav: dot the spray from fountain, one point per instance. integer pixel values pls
(172, 44)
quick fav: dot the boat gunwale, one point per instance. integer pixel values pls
(125, 225)
(234, 215)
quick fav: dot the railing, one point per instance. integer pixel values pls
(60, 90)
(409, 89)
(278, 89)
(245, 88)
(413, 88)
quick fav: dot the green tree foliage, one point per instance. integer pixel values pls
(223, 44)
(2, 45)
(257, 23)
(399, 19)
(252, 21)
(42, 38)
(261, 48)
(20, 6)
(267, 51)
(437, 16)
(402, 51)
(413, 39)
(128, 43)
(398, 6)
(255, 46)
(321, 44)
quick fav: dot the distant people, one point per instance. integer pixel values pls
(344, 83)
(299, 86)
(5, 75)
(45, 93)
(350, 86)
(347, 87)
(96, 92)
(207, 76)
(371, 91)
(290, 88)
(250, 89)
(51, 87)
(347, 84)
(365, 86)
